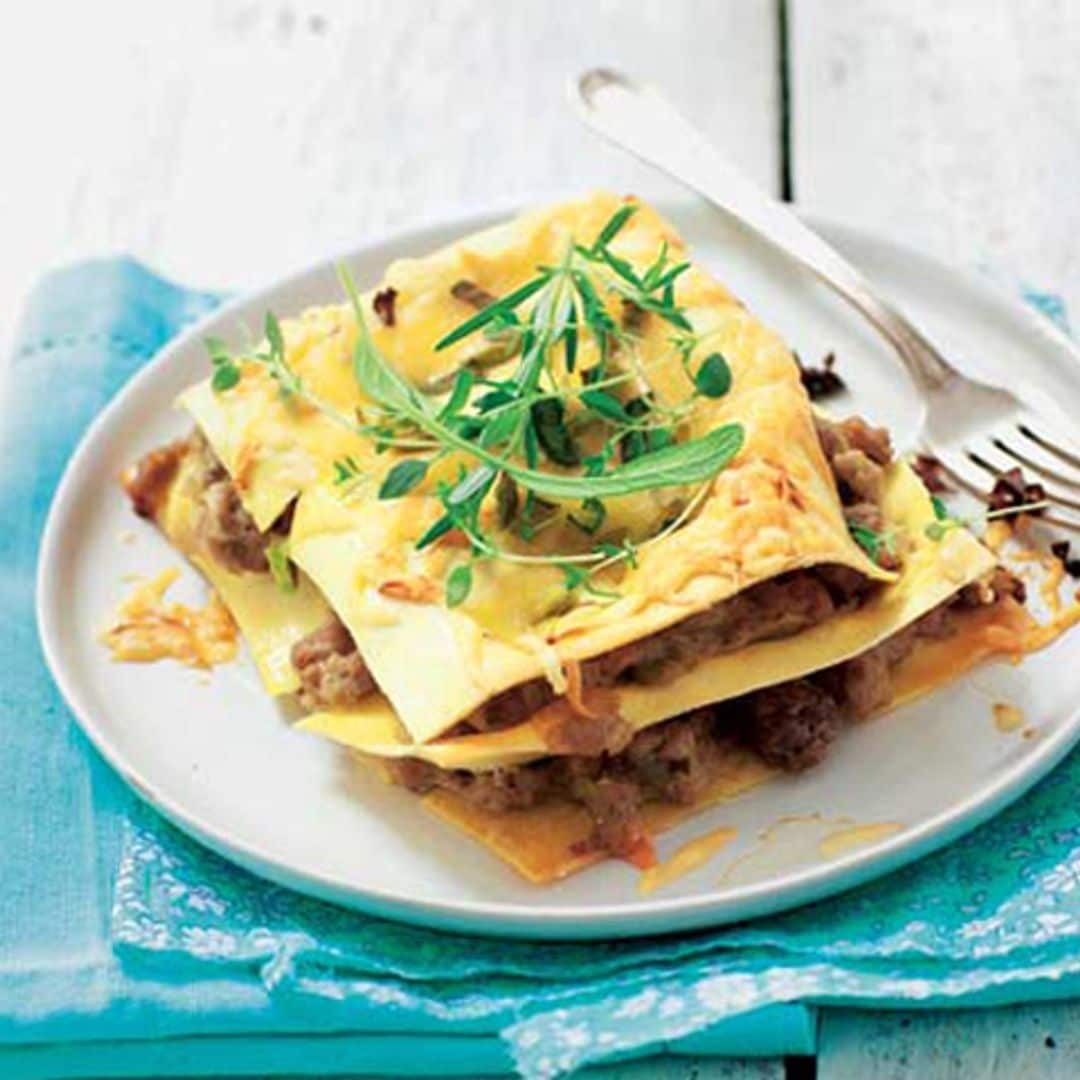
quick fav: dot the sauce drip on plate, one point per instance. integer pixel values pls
(1007, 717)
(686, 859)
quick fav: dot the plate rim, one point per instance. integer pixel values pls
(633, 918)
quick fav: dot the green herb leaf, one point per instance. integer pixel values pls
(217, 350)
(226, 376)
(573, 576)
(277, 556)
(458, 585)
(273, 334)
(713, 378)
(632, 445)
(614, 225)
(570, 344)
(497, 310)
(226, 371)
(500, 428)
(659, 438)
(607, 405)
(684, 463)
(403, 477)
(346, 470)
(867, 539)
(941, 511)
(610, 550)
(548, 421)
(475, 484)
(440, 528)
(652, 276)
(667, 280)
(622, 268)
(531, 444)
(459, 395)
(592, 517)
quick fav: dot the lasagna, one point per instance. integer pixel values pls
(546, 529)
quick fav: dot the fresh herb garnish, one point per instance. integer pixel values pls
(281, 569)
(403, 477)
(872, 542)
(458, 585)
(713, 378)
(510, 431)
(226, 371)
(591, 517)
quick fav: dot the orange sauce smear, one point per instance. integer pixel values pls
(687, 858)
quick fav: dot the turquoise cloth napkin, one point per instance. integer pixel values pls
(88, 987)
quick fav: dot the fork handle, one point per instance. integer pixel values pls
(639, 120)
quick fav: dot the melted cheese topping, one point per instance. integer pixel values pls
(148, 628)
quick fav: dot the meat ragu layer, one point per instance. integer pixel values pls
(790, 725)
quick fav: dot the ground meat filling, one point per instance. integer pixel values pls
(147, 482)
(228, 532)
(858, 455)
(776, 608)
(332, 672)
(772, 609)
(671, 762)
(791, 726)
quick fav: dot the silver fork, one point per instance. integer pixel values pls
(977, 430)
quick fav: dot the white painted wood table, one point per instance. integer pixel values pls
(226, 142)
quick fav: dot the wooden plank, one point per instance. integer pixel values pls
(952, 126)
(226, 142)
(993, 1044)
(682, 1068)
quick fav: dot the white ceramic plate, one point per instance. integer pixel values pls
(215, 756)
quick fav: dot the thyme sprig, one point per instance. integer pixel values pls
(512, 430)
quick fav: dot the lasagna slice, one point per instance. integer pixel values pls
(545, 527)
